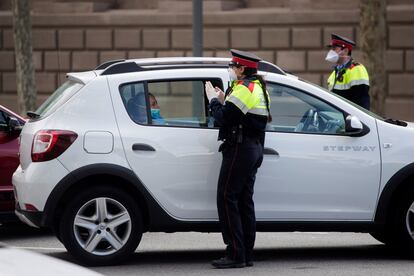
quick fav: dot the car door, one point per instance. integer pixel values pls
(9, 161)
(174, 155)
(312, 169)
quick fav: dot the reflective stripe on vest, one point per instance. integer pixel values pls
(355, 75)
(249, 99)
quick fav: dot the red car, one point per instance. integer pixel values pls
(10, 127)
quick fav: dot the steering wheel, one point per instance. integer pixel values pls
(309, 121)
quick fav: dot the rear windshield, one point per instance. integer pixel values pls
(58, 98)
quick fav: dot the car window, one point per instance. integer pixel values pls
(296, 111)
(133, 96)
(376, 116)
(3, 121)
(181, 103)
(59, 97)
(167, 103)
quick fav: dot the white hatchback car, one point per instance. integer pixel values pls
(100, 170)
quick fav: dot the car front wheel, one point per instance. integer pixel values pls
(101, 226)
(403, 230)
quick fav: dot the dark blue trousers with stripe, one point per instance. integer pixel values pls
(235, 197)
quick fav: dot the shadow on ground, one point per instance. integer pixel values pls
(314, 254)
(13, 230)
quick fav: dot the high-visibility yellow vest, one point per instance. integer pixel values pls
(356, 74)
(248, 96)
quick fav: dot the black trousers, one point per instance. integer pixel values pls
(235, 197)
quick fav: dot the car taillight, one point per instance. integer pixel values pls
(49, 144)
(30, 207)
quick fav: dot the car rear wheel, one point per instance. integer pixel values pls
(101, 226)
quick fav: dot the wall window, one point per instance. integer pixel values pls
(295, 111)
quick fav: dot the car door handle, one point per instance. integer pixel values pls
(270, 151)
(142, 147)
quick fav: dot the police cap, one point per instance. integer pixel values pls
(244, 59)
(337, 40)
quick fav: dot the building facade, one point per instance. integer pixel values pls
(79, 35)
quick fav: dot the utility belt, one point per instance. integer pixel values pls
(236, 135)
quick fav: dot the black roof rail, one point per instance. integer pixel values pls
(125, 66)
(108, 63)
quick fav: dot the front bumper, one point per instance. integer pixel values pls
(33, 219)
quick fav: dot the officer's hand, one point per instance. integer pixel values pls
(210, 91)
(220, 95)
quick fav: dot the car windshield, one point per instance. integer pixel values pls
(376, 116)
(58, 98)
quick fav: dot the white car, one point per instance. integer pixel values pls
(99, 170)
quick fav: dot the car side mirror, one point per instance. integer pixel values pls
(353, 126)
(14, 125)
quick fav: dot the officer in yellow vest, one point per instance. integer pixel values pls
(242, 115)
(349, 79)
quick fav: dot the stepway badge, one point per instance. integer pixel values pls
(349, 148)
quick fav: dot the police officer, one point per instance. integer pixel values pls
(349, 78)
(242, 115)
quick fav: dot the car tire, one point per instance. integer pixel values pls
(403, 226)
(101, 226)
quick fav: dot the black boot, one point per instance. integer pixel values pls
(249, 258)
(227, 263)
(249, 262)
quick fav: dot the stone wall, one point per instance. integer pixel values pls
(293, 39)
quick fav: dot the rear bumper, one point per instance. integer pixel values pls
(33, 219)
(34, 184)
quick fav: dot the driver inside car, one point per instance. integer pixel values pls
(137, 109)
(157, 119)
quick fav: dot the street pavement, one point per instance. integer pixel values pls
(276, 254)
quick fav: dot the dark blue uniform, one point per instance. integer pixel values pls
(242, 149)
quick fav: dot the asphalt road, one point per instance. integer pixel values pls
(276, 254)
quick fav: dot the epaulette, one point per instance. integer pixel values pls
(248, 84)
(353, 64)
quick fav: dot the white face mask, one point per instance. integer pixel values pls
(332, 56)
(232, 74)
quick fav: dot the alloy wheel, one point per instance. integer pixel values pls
(409, 220)
(102, 226)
